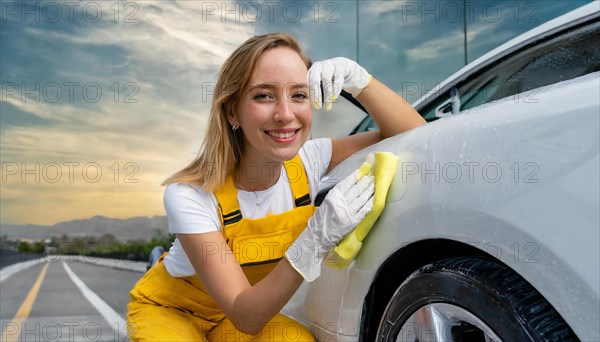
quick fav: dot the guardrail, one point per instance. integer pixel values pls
(9, 257)
(133, 266)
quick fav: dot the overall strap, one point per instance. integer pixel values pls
(298, 179)
(229, 208)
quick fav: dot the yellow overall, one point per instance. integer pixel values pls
(166, 308)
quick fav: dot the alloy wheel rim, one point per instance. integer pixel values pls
(445, 322)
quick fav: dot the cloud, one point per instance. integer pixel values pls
(162, 63)
(378, 7)
(432, 49)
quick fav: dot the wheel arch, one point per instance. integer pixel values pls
(398, 267)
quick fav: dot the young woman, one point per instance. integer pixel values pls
(248, 233)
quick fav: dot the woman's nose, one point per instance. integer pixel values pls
(284, 111)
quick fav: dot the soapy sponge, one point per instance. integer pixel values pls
(382, 166)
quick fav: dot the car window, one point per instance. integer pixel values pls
(556, 59)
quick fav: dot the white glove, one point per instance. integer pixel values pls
(335, 74)
(344, 207)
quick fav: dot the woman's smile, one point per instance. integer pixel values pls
(283, 135)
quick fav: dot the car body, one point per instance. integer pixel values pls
(505, 172)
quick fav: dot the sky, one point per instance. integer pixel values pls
(102, 100)
(101, 103)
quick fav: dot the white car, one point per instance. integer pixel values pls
(491, 226)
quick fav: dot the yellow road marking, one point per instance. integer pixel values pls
(23, 311)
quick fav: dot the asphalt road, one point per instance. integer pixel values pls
(66, 300)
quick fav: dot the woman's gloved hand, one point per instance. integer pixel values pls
(344, 207)
(334, 75)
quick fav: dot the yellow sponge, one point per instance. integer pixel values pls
(381, 165)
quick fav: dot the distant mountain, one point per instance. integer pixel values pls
(123, 229)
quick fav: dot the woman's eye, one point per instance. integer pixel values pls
(300, 96)
(262, 97)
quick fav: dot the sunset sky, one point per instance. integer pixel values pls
(102, 100)
(58, 132)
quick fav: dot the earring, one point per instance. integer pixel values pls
(234, 127)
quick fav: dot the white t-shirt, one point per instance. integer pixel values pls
(191, 210)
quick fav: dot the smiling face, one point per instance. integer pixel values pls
(274, 112)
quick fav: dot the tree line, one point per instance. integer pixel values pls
(105, 246)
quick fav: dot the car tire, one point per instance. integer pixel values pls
(470, 299)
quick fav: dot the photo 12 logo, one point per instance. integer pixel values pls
(66, 330)
(69, 91)
(270, 11)
(470, 171)
(69, 172)
(468, 11)
(30, 12)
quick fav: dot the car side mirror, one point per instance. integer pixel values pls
(321, 195)
(450, 106)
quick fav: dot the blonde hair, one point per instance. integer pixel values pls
(222, 147)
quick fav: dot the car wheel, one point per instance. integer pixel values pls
(470, 299)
